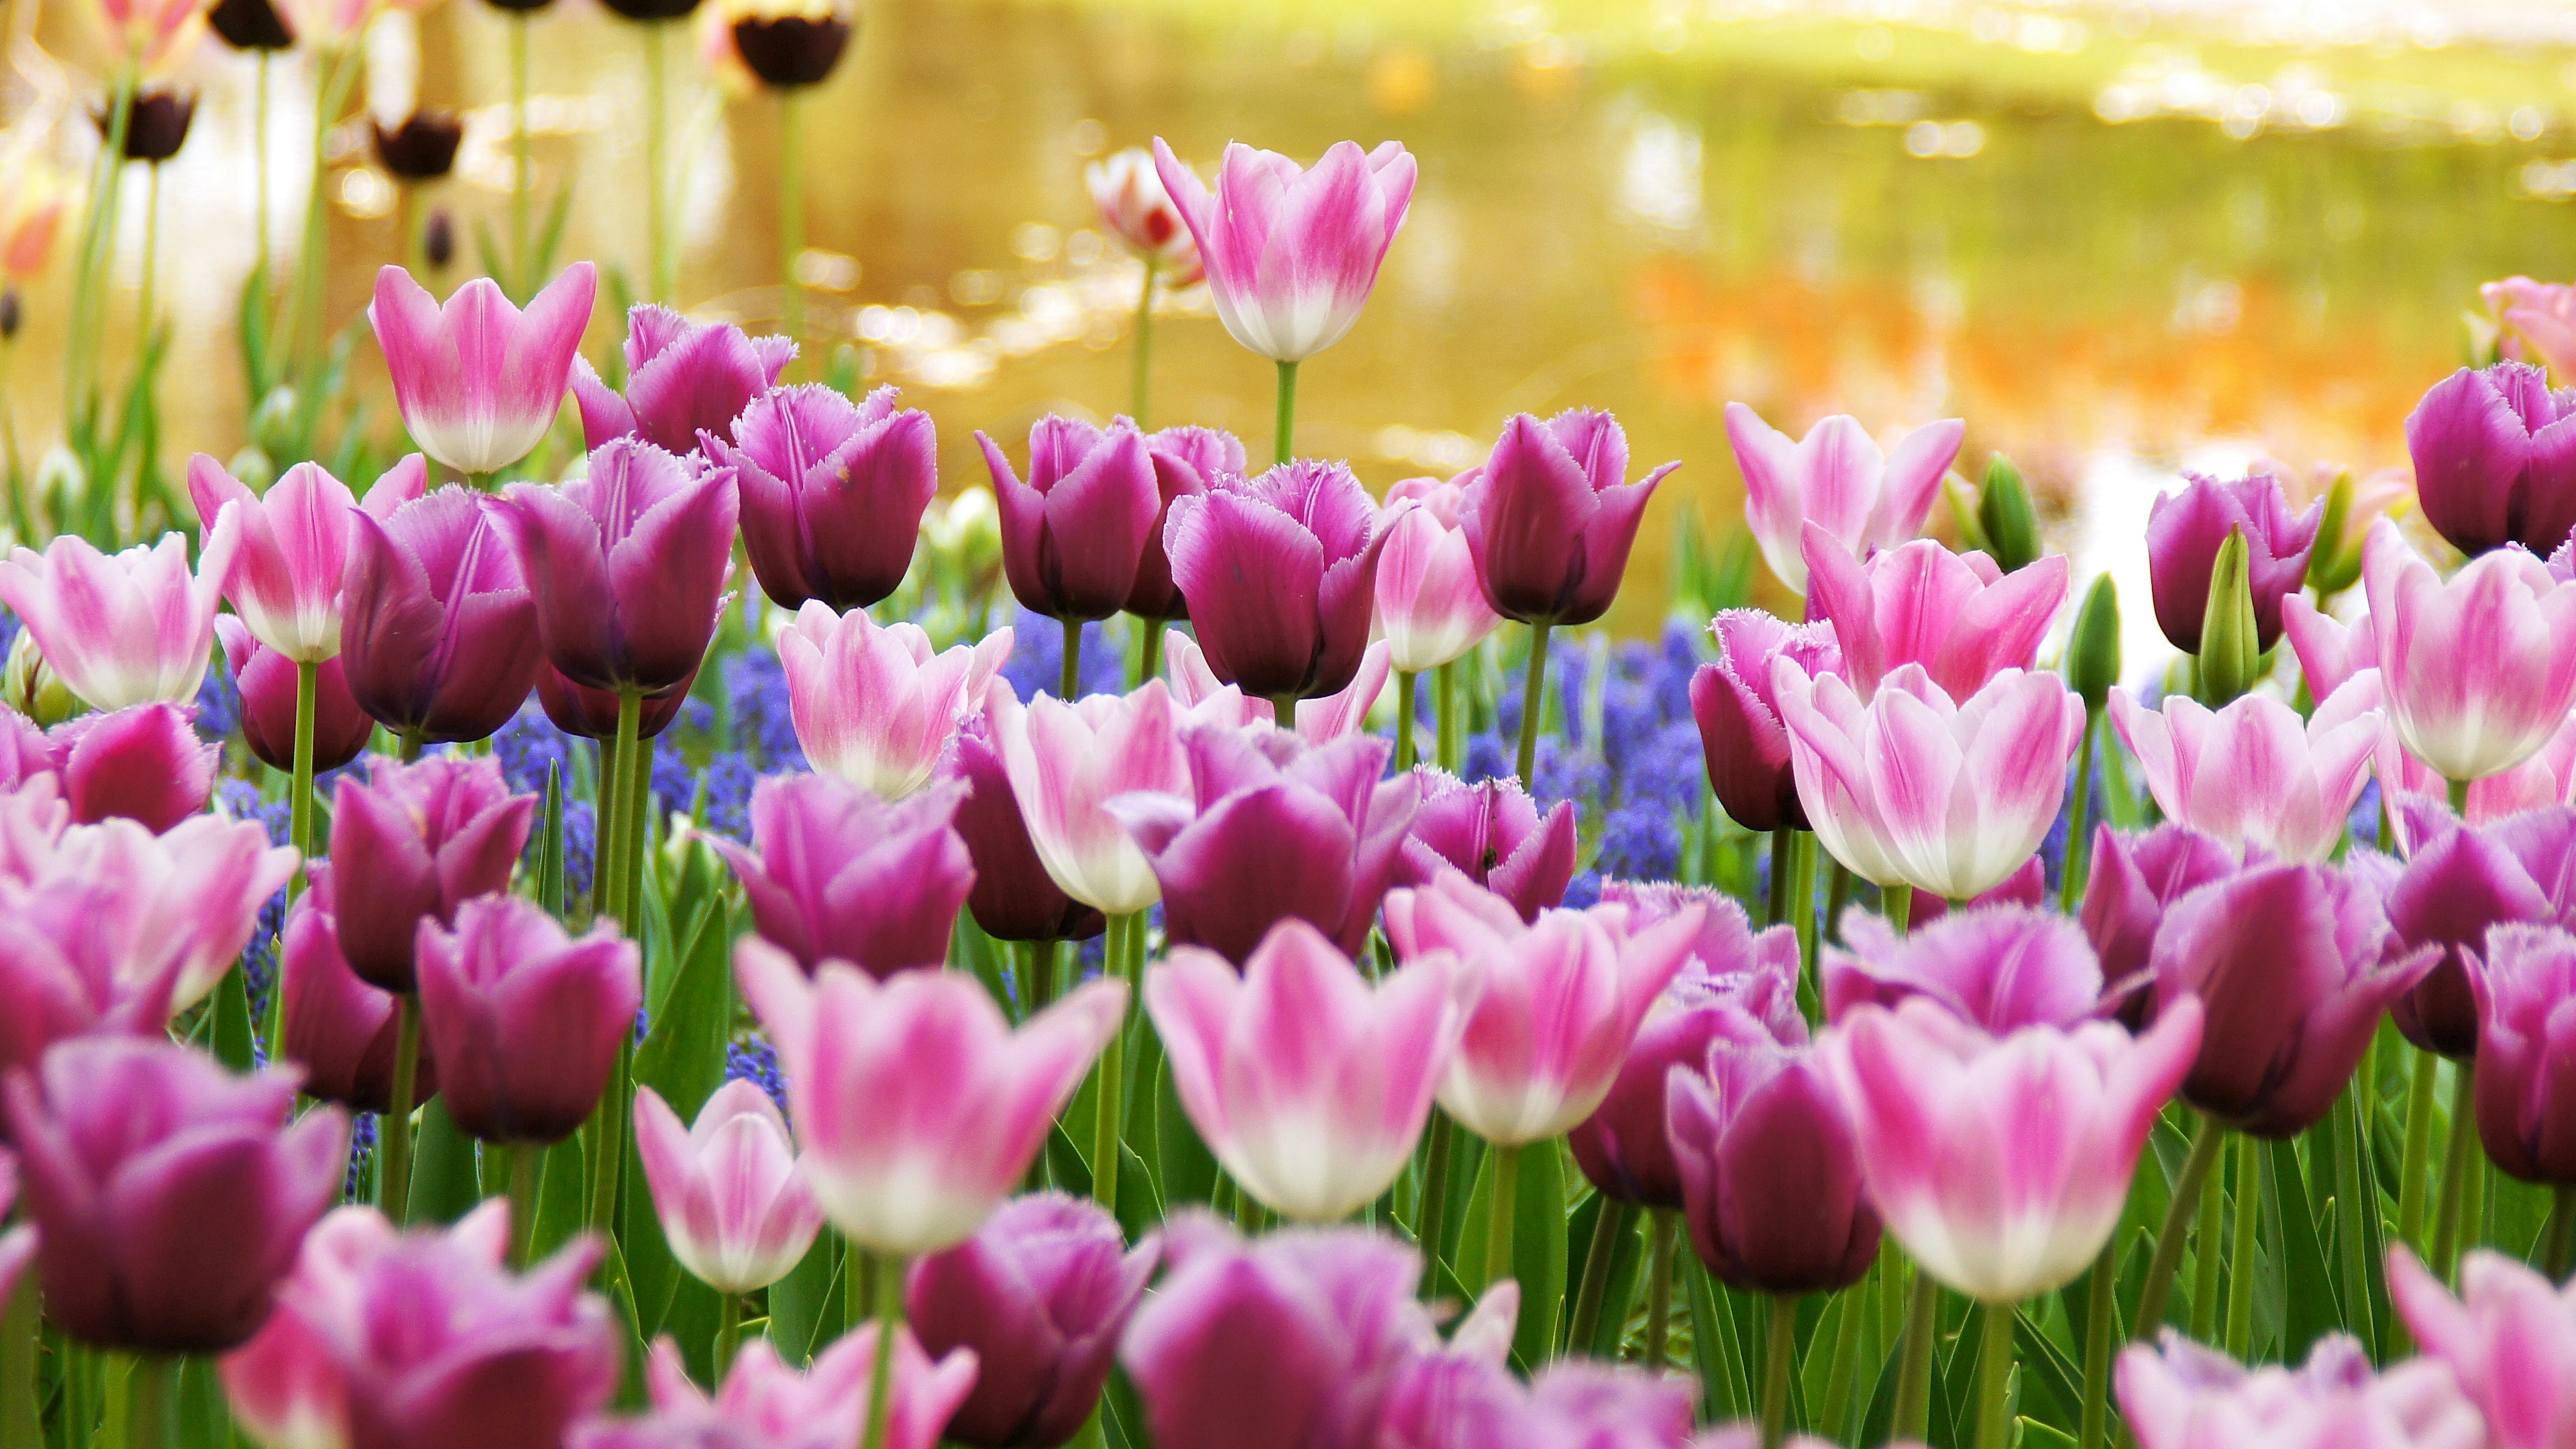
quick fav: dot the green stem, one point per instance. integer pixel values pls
(2448, 1217)
(1838, 888)
(2560, 1237)
(1149, 649)
(1845, 1363)
(1287, 412)
(637, 820)
(308, 684)
(259, 181)
(2101, 1306)
(2352, 1248)
(148, 304)
(1500, 1213)
(1451, 740)
(1659, 1288)
(2418, 1150)
(89, 282)
(791, 209)
(889, 1319)
(2208, 1252)
(2070, 885)
(1897, 902)
(1784, 854)
(1533, 697)
(2249, 1222)
(1046, 961)
(1069, 682)
(1122, 959)
(2206, 1138)
(20, 1318)
(2459, 798)
(1144, 377)
(523, 231)
(1802, 898)
(1432, 1219)
(728, 1332)
(1405, 750)
(394, 1128)
(1994, 1375)
(1616, 1221)
(339, 72)
(1913, 1411)
(657, 187)
(1779, 1360)
(147, 1414)
(525, 1159)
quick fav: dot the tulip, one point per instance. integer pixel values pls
(2509, 1339)
(1272, 830)
(2532, 321)
(1075, 534)
(437, 631)
(142, 762)
(2416, 796)
(1839, 479)
(479, 381)
(340, 1030)
(1291, 254)
(626, 565)
(2330, 651)
(2252, 774)
(36, 196)
(1998, 968)
(918, 1107)
(2526, 1080)
(1186, 460)
(1769, 1169)
(1961, 618)
(2179, 1395)
(592, 713)
(134, 1152)
(1429, 605)
(1066, 762)
(2477, 671)
(2460, 886)
(2135, 879)
(832, 491)
(1013, 898)
(1551, 516)
(733, 1203)
(120, 629)
(1468, 1398)
(2026, 887)
(684, 379)
(420, 147)
(874, 704)
(524, 1020)
(2184, 531)
(1560, 1006)
(266, 681)
(60, 980)
(180, 905)
(1738, 711)
(787, 44)
(1205, 699)
(2495, 459)
(1310, 1085)
(1490, 832)
(765, 1402)
(2002, 1163)
(835, 873)
(152, 35)
(1137, 211)
(416, 842)
(1913, 789)
(1040, 1295)
(482, 1357)
(1280, 572)
(289, 548)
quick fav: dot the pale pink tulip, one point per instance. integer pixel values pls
(767, 1403)
(1132, 203)
(2509, 1338)
(1836, 477)
(2478, 671)
(733, 1203)
(874, 704)
(1430, 609)
(2252, 773)
(1292, 253)
(1205, 699)
(2534, 321)
(1957, 615)
(479, 382)
(120, 629)
(181, 904)
(2330, 651)
(2183, 1396)
(290, 546)
(1067, 761)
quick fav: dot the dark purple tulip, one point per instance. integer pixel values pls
(1551, 516)
(1739, 715)
(2001, 967)
(143, 762)
(592, 713)
(787, 51)
(2134, 878)
(249, 25)
(1281, 576)
(169, 1195)
(683, 378)
(414, 842)
(1185, 460)
(423, 147)
(837, 874)
(2526, 1064)
(832, 492)
(1492, 833)
(1278, 828)
(2184, 531)
(627, 564)
(2460, 883)
(523, 1020)
(2287, 962)
(266, 680)
(1041, 1294)
(438, 636)
(2495, 459)
(1014, 898)
(1074, 535)
(1769, 1168)
(339, 1029)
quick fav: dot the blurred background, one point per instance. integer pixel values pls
(2119, 239)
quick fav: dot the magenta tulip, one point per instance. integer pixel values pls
(1429, 605)
(2459, 886)
(1075, 534)
(1960, 617)
(1837, 478)
(1292, 254)
(2253, 774)
(2185, 530)
(339, 1029)
(416, 842)
(1280, 571)
(60, 980)
(834, 873)
(1551, 516)
(524, 1020)
(1769, 1167)
(1013, 898)
(732, 1202)
(832, 491)
(1738, 711)
(765, 1403)
(120, 629)
(592, 713)
(1490, 832)
(2135, 878)
(2476, 671)
(180, 905)
(2509, 1339)
(1186, 460)
(1067, 761)
(1137, 211)
(479, 382)
(2179, 1395)
(683, 379)
(265, 680)
(2495, 459)
(437, 631)
(289, 548)
(1204, 699)
(1999, 968)
(874, 704)
(2526, 1066)
(143, 762)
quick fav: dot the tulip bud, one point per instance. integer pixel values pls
(2003, 510)
(2093, 649)
(2230, 657)
(2336, 564)
(30, 686)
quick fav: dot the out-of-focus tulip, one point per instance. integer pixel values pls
(2495, 459)
(918, 1107)
(58, 981)
(874, 703)
(1067, 761)
(523, 1019)
(1999, 968)
(766, 1403)
(2535, 322)
(1186, 459)
(1738, 710)
(1202, 698)
(328, 25)
(2002, 1163)
(2461, 884)
(1836, 477)
(1310, 1085)
(835, 873)
(2252, 773)
(479, 381)
(733, 1203)
(1270, 830)
(1075, 533)
(832, 491)
(2026, 888)
(684, 380)
(1429, 605)
(153, 35)
(1013, 898)
(2509, 1339)
(2476, 671)
(136, 1154)
(1291, 254)
(182, 903)
(1040, 1295)
(2179, 1395)
(1550, 517)
(339, 1029)
(421, 146)
(120, 629)
(288, 548)
(265, 680)
(2135, 879)
(417, 841)
(1280, 572)
(2184, 531)
(1490, 832)
(1961, 618)
(482, 1357)
(437, 632)
(789, 44)
(2526, 1071)
(142, 762)
(36, 196)
(1769, 1168)
(1911, 788)
(1559, 1007)
(1132, 203)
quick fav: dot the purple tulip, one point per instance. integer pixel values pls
(1551, 517)
(1040, 1294)
(592, 713)
(1013, 899)
(683, 378)
(523, 1020)
(832, 491)
(1492, 833)
(2460, 883)
(837, 874)
(1738, 712)
(437, 632)
(143, 763)
(2526, 1065)
(1274, 828)
(627, 564)
(339, 1029)
(170, 1195)
(1186, 460)
(415, 842)
(1997, 967)
(1074, 535)
(2185, 529)
(266, 680)
(2135, 878)
(1769, 1167)
(2495, 459)
(1280, 572)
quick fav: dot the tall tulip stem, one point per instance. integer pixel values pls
(2448, 1218)
(1287, 428)
(2249, 1221)
(728, 1332)
(2352, 1248)
(525, 1159)
(2459, 797)
(1659, 1287)
(1802, 906)
(2418, 1150)
(1500, 1213)
(308, 684)
(89, 279)
(1451, 740)
(2101, 1306)
(1778, 1361)
(1406, 753)
(889, 1319)
(20, 1319)
(259, 180)
(394, 1127)
(147, 1404)
(1533, 697)
(791, 210)
(1431, 1219)
(339, 72)
(1784, 854)
(1897, 903)
(1913, 1409)
(2070, 884)
(1069, 682)
(1994, 1374)
(2188, 1185)
(1149, 649)
(1142, 383)
(1617, 1220)
(1124, 960)
(523, 237)
(2557, 1241)
(2208, 1251)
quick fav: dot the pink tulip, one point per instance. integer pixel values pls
(437, 631)
(181, 904)
(524, 1020)
(1292, 254)
(143, 762)
(918, 1107)
(2180, 1395)
(1186, 459)
(154, 35)
(2476, 672)
(2535, 321)
(873, 703)
(2135, 879)
(1913, 789)
(2252, 773)
(1075, 534)
(832, 491)
(1999, 968)
(2330, 651)
(416, 842)
(1560, 1004)
(1960, 617)
(838, 874)
(1206, 699)
(2002, 1163)
(2459, 888)
(1429, 605)
(60, 980)
(340, 1030)
(1738, 711)
(733, 1203)
(265, 679)
(1280, 572)
(1835, 477)
(1067, 761)
(128, 628)
(1013, 898)
(1132, 203)
(289, 547)
(683, 378)
(1491, 833)
(1309, 1084)
(2509, 1339)
(479, 382)
(1551, 516)
(765, 1402)
(2417, 797)
(2525, 1078)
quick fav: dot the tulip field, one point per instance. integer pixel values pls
(675, 919)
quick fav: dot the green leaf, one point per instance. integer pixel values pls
(550, 241)
(1140, 1205)
(809, 1296)
(562, 1186)
(2310, 1310)
(1726, 1392)
(550, 844)
(1189, 1172)
(2052, 1384)
(683, 1055)
(443, 1185)
(232, 1020)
